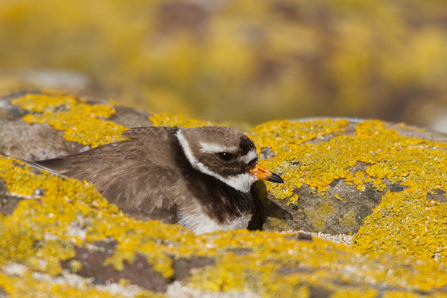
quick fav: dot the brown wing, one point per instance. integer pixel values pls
(135, 175)
(145, 192)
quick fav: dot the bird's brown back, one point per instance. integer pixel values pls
(138, 175)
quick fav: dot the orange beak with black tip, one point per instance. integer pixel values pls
(264, 174)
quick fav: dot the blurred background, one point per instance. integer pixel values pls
(245, 61)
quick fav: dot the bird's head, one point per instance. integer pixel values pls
(226, 154)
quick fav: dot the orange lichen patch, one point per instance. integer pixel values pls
(82, 122)
(404, 221)
(170, 120)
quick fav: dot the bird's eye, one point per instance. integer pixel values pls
(225, 156)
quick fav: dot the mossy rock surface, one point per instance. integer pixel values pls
(385, 182)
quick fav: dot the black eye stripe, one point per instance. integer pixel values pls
(253, 163)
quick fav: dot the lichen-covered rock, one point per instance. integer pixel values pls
(41, 125)
(244, 60)
(384, 183)
(63, 239)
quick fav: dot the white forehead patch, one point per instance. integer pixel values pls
(214, 148)
(250, 156)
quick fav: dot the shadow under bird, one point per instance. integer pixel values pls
(199, 178)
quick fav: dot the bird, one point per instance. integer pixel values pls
(199, 178)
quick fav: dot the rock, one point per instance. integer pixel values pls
(29, 132)
(66, 240)
(382, 183)
(8, 202)
(378, 181)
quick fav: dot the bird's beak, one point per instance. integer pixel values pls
(264, 174)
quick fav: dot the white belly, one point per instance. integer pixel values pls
(201, 223)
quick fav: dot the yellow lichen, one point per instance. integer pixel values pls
(75, 266)
(352, 293)
(15, 241)
(402, 294)
(53, 218)
(286, 140)
(28, 286)
(44, 102)
(293, 200)
(414, 163)
(47, 223)
(348, 220)
(337, 196)
(40, 232)
(82, 122)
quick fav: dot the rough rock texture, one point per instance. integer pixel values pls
(30, 142)
(64, 240)
(36, 139)
(385, 183)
